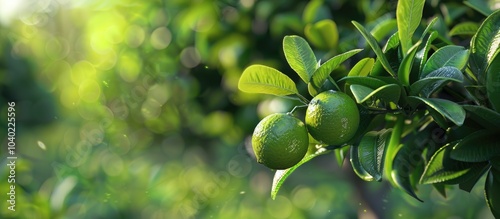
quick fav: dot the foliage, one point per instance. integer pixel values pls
(422, 80)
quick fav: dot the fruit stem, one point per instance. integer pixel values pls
(294, 108)
(302, 99)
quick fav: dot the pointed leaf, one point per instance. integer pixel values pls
(323, 34)
(362, 68)
(266, 80)
(281, 175)
(477, 147)
(443, 169)
(340, 155)
(492, 192)
(493, 82)
(299, 56)
(370, 82)
(408, 15)
(454, 56)
(403, 165)
(389, 93)
(483, 116)
(468, 184)
(421, 56)
(450, 110)
(485, 45)
(371, 151)
(376, 48)
(384, 28)
(406, 65)
(465, 28)
(356, 165)
(323, 72)
(435, 80)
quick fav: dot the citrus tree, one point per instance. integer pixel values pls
(424, 110)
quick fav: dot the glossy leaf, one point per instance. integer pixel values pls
(266, 80)
(478, 146)
(448, 109)
(435, 80)
(370, 82)
(389, 93)
(493, 82)
(451, 55)
(362, 68)
(323, 72)
(474, 176)
(483, 116)
(421, 55)
(465, 28)
(281, 175)
(443, 169)
(299, 56)
(408, 15)
(341, 154)
(403, 165)
(371, 151)
(485, 45)
(384, 28)
(492, 192)
(406, 65)
(356, 165)
(376, 48)
(323, 34)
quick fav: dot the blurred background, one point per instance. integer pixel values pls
(130, 109)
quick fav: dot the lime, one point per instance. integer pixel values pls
(332, 117)
(280, 141)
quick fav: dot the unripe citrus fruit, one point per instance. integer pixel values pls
(280, 141)
(332, 117)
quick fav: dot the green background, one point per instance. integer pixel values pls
(130, 109)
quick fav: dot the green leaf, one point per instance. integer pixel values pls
(481, 6)
(477, 147)
(421, 56)
(493, 82)
(371, 151)
(451, 55)
(281, 175)
(323, 72)
(266, 80)
(450, 110)
(340, 155)
(443, 169)
(468, 184)
(384, 28)
(392, 43)
(389, 93)
(362, 68)
(465, 28)
(356, 165)
(406, 65)
(428, 28)
(492, 192)
(435, 80)
(403, 165)
(370, 82)
(483, 116)
(485, 45)
(376, 48)
(408, 15)
(299, 56)
(323, 34)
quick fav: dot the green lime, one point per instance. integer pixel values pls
(332, 117)
(280, 141)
